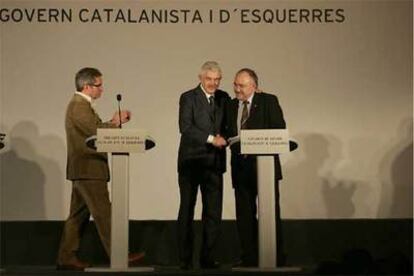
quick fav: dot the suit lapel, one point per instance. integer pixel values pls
(234, 107)
(253, 109)
(203, 102)
(201, 98)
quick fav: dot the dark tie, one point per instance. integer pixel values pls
(211, 102)
(245, 115)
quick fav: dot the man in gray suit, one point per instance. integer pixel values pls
(87, 169)
(201, 163)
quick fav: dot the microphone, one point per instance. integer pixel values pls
(119, 98)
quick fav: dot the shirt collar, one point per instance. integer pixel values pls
(88, 98)
(249, 100)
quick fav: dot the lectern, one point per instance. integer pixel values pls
(120, 143)
(265, 143)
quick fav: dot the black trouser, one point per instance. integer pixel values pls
(210, 182)
(244, 178)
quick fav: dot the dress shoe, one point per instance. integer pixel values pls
(237, 263)
(135, 257)
(209, 264)
(186, 266)
(74, 264)
(244, 263)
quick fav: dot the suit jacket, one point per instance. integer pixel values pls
(82, 122)
(196, 123)
(265, 113)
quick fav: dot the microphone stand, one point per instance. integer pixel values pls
(119, 97)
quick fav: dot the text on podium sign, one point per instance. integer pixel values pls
(120, 140)
(264, 141)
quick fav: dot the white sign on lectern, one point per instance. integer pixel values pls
(120, 142)
(264, 141)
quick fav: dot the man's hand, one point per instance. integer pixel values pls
(125, 117)
(219, 141)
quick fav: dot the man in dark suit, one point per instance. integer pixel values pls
(201, 163)
(250, 110)
(87, 169)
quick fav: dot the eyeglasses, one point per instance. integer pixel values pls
(96, 85)
(241, 86)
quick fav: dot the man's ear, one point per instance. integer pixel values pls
(85, 89)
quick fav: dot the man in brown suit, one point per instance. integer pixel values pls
(87, 169)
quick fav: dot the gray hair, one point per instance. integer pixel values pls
(86, 76)
(252, 74)
(210, 66)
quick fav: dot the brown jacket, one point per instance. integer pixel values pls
(82, 122)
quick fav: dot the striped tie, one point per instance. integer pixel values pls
(245, 115)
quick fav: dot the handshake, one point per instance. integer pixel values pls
(220, 142)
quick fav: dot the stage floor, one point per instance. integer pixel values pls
(158, 270)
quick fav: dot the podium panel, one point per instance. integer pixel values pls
(266, 212)
(120, 210)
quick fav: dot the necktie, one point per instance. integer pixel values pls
(245, 115)
(211, 102)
